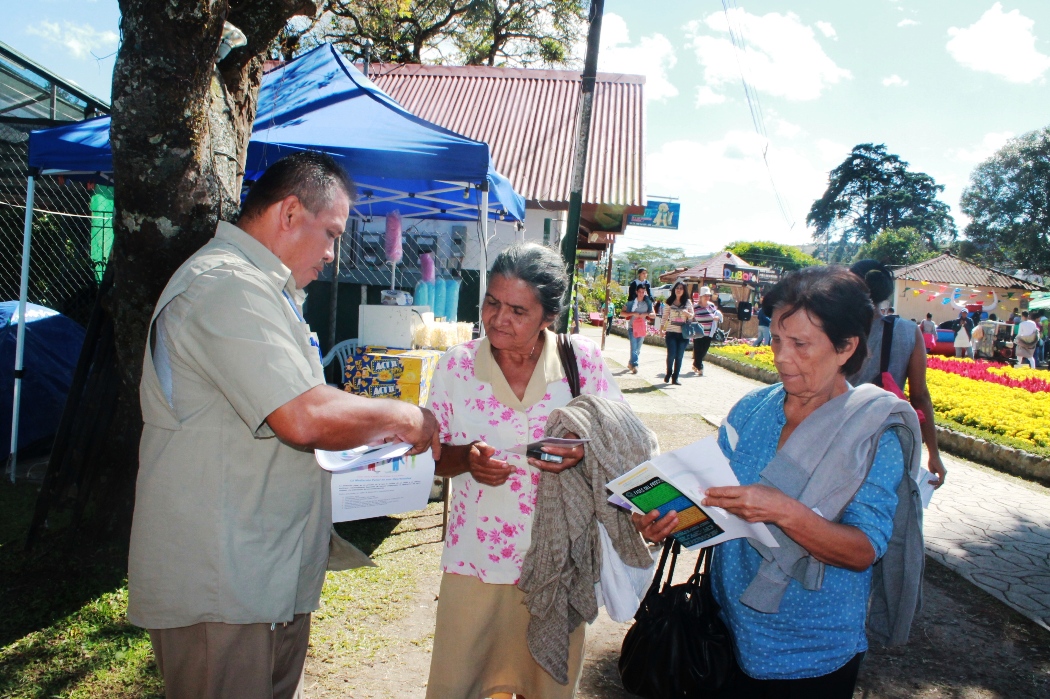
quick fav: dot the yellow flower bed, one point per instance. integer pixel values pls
(1011, 412)
(761, 355)
(1003, 410)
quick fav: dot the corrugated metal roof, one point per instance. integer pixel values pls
(949, 269)
(528, 118)
(31, 93)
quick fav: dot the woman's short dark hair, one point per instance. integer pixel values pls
(833, 296)
(877, 276)
(685, 293)
(538, 266)
(312, 177)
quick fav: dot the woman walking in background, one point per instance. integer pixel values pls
(708, 315)
(906, 361)
(637, 311)
(677, 312)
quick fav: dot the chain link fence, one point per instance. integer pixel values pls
(364, 271)
(71, 238)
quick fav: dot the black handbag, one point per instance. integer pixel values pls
(678, 647)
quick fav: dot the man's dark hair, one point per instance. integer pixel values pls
(640, 270)
(309, 175)
(929, 316)
(834, 297)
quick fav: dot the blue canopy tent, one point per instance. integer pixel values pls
(321, 102)
(54, 344)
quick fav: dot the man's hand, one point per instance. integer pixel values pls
(424, 435)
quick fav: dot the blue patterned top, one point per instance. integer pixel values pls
(815, 632)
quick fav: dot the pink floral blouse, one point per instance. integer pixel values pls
(490, 528)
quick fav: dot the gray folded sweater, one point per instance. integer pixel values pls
(564, 561)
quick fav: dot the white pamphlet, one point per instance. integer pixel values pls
(385, 488)
(677, 481)
(359, 458)
(926, 489)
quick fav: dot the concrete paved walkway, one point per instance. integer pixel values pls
(992, 529)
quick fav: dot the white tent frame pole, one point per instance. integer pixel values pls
(483, 212)
(23, 292)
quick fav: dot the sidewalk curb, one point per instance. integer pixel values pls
(1016, 462)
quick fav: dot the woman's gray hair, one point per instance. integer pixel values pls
(538, 266)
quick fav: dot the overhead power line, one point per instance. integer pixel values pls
(754, 103)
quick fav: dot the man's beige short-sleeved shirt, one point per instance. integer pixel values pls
(231, 525)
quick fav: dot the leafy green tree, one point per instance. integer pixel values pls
(655, 259)
(1008, 202)
(520, 32)
(465, 32)
(873, 190)
(900, 246)
(764, 253)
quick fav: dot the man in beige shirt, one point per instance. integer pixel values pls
(233, 517)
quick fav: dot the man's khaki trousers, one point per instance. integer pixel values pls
(233, 661)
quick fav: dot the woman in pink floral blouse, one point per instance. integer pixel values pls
(492, 397)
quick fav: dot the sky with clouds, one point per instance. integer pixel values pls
(943, 83)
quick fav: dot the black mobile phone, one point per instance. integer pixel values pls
(544, 456)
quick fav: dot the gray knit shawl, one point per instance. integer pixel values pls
(564, 561)
(823, 464)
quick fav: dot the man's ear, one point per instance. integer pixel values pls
(287, 210)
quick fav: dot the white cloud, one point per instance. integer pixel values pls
(1000, 43)
(827, 30)
(982, 151)
(894, 81)
(80, 40)
(780, 55)
(907, 23)
(652, 57)
(730, 170)
(706, 96)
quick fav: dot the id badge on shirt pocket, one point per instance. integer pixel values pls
(311, 348)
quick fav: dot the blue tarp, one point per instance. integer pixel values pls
(321, 102)
(52, 345)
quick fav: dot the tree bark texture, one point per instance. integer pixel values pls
(179, 134)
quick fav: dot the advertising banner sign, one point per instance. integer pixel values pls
(658, 214)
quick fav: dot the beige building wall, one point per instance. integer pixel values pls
(908, 305)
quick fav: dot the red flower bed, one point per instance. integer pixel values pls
(979, 371)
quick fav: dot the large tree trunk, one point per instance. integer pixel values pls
(179, 134)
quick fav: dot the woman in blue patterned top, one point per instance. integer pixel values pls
(823, 464)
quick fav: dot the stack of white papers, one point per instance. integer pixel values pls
(377, 481)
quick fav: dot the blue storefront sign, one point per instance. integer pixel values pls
(658, 214)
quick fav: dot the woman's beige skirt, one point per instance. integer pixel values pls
(480, 647)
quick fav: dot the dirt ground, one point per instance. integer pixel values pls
(965, 644)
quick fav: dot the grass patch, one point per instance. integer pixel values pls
(360, 608)
(63, 628)
(63, 608)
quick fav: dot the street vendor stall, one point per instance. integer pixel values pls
(735, 286)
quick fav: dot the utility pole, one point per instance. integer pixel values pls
(583, 138)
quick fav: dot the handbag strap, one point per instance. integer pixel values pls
(887, 346)
(568, 363)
